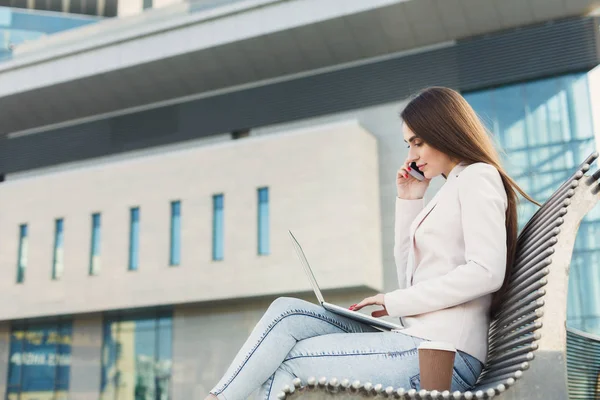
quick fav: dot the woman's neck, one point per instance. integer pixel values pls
(446, 173)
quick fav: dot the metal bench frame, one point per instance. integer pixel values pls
(540, 277)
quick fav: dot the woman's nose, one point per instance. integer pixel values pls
(412, 155)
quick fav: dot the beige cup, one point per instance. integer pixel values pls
(436, 362)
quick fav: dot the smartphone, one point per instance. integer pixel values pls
(415, 172)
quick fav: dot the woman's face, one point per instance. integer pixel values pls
(430, 161)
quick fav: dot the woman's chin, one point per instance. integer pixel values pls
(430, 175)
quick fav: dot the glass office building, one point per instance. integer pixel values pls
(18, 26)
(546, 130)
(150, 170)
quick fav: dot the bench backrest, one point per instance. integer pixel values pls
(515, 330)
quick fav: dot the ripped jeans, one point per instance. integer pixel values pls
(299, 339)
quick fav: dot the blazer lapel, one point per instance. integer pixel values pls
(411, 267)
(413, 227)
(424, 213)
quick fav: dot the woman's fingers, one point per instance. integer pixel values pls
(366, 302)
(373, 300)
(402, 173)
(380, 313)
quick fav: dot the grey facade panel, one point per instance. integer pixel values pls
(72, 143)
(521, 54)
(159, 124)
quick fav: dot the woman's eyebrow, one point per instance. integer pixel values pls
(411, 139)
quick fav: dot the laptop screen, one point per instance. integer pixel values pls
(307, 268)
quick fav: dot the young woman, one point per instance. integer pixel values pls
(453, 258)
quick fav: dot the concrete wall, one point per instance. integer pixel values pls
(323, 184)
(163, 3)
(4, 355)
(129, 7)
(86, 357)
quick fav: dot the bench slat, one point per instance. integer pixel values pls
(542, 253)
(524, 321)
(517, 302)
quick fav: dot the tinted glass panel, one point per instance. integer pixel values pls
(137, 357)
(40, 359)
(546, 129)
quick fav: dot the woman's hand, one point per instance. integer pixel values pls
(410, 188)
(378, 300)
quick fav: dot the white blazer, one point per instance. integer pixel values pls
(450, 257)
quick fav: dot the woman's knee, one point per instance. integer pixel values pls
(283, 304)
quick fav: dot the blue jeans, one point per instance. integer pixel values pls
(298, 339)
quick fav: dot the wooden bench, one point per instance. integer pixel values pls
(540, 276)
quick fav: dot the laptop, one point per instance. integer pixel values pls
(355, 315)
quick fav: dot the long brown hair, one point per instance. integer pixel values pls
(445, 121)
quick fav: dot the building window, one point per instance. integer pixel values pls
(58, 257)
(546, 129)
(217, 227)
(147, 4)
(95, 246)
(175, 253)
(137, 356)
(40, 360)
(263, 221)
(22, 255)
(134, 238)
